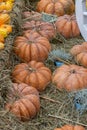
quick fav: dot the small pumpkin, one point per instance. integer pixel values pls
(32, 46)
(80, 53)
(45, 29)
(9, 6)
(4, 18)
(6, 6)
(58, 7)
(23, 101)
(34, 73)
(2, 45)
(32, 15)
(70, 77)
(5, 30)
(1, 38)
(70, 127)
(67, 26)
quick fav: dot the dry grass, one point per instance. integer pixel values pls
(56, 107)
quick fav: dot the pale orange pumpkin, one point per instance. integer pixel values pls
(80, 53)
(67, 26)
(45, 29)
(58, 7)
(70, 77)
(23, 101)
(32, 46)
(70, 127)
(34, 73)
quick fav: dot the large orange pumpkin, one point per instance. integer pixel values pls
(71, 127)
(32, 46)
(70, 77)
(34, 74)
(67, 26)
(23, 101)
(45, 29)
(58, 7)
(80, 53)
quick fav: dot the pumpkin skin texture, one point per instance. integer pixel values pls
(58, 7)
(67, 26)
(25, 104)
(80, 53)
(71, 127)
(7, 27)
(4, 18)
(34, 74)
(32, 15)
(63, 77)
(32, 46)
(45, 29)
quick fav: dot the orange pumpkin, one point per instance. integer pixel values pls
(80, 53)
(70, 77)
(4, 18)
(1, 38)
(23, 101)
(67, 26)
(58, 7)
(6, 6)
(32, 46)
(71, 127)
(45, 29)
(34, 74)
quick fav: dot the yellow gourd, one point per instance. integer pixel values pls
(7, 27)
(6, 0)
(6, 6)
(1, 38)
(1, 46)
(9, 5)
(4, 18)
(3, 32)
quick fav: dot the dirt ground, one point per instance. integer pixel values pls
(57, 108)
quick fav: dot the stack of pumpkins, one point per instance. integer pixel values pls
(5, 27)
(33, 48)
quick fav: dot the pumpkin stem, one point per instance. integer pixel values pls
(31, 69)
(72, 71)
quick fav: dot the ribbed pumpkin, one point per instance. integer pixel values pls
(34, 73)
(71, 127)
(5, 30)
(4, 18)
(67, 26)
(32, 15)
(6, 6)
(58, 7)
(80, 53)
(32, 46)
(45, 29)
(7, 27)
(70, 77)
(23, 101)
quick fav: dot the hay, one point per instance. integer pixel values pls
(53, 102)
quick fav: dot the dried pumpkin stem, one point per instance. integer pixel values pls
(66, 62)
(49, 99)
